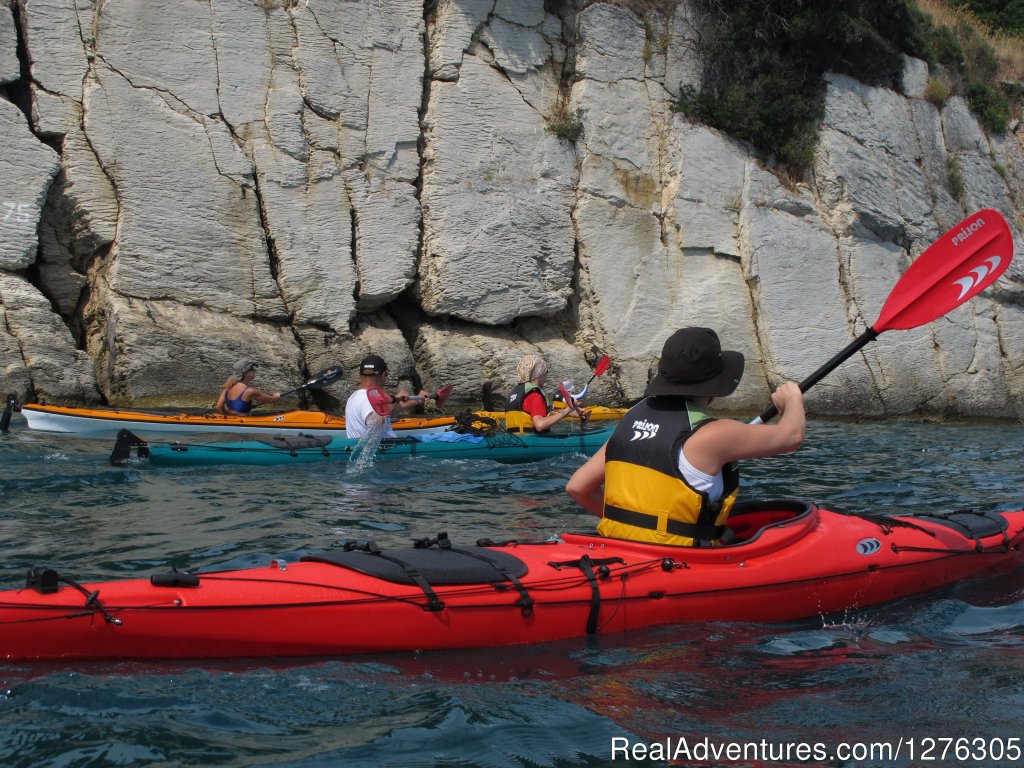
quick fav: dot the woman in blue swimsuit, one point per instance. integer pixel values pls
(237, 396)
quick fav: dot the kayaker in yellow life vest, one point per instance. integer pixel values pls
(528, 408)
(667, 474)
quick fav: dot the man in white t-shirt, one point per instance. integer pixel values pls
(360, 418)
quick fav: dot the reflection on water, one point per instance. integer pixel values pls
(946, 665)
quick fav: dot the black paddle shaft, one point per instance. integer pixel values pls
(10, 407)
(323, 379)
(846, 353)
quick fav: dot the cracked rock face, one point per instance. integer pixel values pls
(451, 185)
(29, 169)
(10, 66)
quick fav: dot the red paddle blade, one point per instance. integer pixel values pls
(602, 365)
(956, 267)
(570, 402)
(381, 403)
(443, 394)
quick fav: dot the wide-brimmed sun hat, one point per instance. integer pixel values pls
(694, 363)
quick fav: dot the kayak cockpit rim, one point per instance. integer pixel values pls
(748, 521)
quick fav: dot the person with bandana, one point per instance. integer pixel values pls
(528, 408)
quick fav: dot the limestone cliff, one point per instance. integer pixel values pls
(451, 184)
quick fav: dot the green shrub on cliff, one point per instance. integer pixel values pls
(989, 105)
(568, 126)
(765, 61)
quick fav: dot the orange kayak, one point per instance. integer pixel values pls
(107, 422)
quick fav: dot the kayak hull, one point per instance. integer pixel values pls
(791, 561)
(107, 422)
(503, 447)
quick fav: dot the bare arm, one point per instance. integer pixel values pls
(725, 441)
(544, 423)
(221, 405)
(401, 402)
(586, 486)
(259, 396)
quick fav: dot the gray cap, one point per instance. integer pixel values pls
(243, 366)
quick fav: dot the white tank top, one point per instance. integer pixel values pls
(712, 485)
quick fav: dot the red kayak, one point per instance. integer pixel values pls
(790, 560)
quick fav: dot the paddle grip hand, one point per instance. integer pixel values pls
(383, 403)
(578, 410)
(439, 397)
(571, 406)
(401, 397)
(786, 394)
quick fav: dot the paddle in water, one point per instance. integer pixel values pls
(383, 403)
(954, 269)
(10, 407)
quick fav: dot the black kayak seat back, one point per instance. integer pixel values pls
(296, 442)
(968, 523)
(440, 567)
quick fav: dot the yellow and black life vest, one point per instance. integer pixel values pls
(646, 497)
(516, 419)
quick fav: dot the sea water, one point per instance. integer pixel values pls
(927, 675)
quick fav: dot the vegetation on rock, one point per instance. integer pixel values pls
(765, 60)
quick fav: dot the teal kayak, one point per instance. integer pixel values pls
(502, 446)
